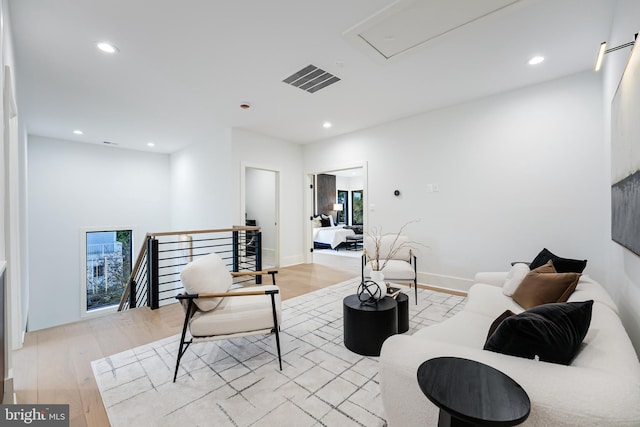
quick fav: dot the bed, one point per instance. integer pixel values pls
(330, 236)
(326, 234)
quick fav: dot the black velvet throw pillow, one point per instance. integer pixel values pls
(553, 332)
(325, 221)
(562, 265)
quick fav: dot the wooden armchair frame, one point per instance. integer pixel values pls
(191, 309)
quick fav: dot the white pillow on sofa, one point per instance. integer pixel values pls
(514, 278)
(204, 275)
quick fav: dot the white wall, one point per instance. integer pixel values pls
(201, 177)
(623, 272)
(517, 172)
(260, 203)
(263, 152)
(74, 185)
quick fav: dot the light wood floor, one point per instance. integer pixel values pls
(54, 366)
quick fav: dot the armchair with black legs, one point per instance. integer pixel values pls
(391, 254)
(213, 312)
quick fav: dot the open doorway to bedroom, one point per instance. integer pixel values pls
(336, 217)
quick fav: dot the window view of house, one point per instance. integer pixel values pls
(108, 266)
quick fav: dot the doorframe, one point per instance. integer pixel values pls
(243, 204)
(13, 278)
(309, 192)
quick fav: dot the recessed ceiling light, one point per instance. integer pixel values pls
(151, 144)
(107, 47)
(326, 125)
(536, 60)
(78, 132)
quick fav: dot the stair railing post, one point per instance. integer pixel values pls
(235, 247)
(258, 251)
(132, 293)
(153, 288)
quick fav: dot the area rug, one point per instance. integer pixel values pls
(237, 382)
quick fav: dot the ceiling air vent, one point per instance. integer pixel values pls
(311, 79)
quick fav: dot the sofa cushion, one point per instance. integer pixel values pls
(543, 285)
(207, 274)
(489, 301)
(562, 265)
(590, 289)
(514, 278)
(553, 332)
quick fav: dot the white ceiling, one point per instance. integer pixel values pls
(183, 68)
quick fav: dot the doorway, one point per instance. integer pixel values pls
(261, 202)
(345, 203)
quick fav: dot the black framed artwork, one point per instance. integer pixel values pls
(625, 157)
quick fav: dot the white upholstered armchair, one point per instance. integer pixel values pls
(395, 259)
(213, 312)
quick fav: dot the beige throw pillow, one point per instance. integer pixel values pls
(543, 285)
(207, 274)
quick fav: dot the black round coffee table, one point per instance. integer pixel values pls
(470, 393)
(366, 326)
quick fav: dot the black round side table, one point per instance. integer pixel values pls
(470, 393)
(402, 300)
(366, 326)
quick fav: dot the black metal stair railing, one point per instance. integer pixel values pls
(155, 278)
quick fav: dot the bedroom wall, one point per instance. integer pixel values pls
(623, 273)
(74, 185)
(325, 194)
(264, 152)
(516, 172)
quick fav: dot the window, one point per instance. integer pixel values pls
(356, 207)
(107, 267)
(98, 270)
(343, 199)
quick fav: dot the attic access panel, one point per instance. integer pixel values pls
(408, 24)
(311, 79)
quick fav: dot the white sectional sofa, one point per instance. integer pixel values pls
(601, 387)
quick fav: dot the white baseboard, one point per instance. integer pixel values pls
(291, 260)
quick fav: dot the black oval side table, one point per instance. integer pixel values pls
(470, 393)
(366, 326)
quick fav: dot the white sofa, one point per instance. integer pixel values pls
(601, 387)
